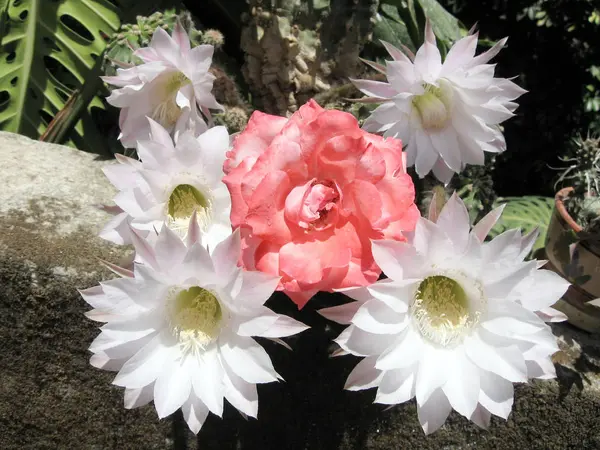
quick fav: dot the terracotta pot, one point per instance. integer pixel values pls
(578, 262)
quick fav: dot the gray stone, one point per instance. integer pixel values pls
(51, 398)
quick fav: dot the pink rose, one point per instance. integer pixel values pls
(310, 192)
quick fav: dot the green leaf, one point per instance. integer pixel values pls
(403, 22)
(445, 26)
(391, 28)
(49, 50)
(526, 213)
(321, 4)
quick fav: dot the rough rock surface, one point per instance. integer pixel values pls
(51, 398)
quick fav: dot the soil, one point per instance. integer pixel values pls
(51, 398)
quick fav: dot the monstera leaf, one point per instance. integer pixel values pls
(526, 213)
(49, 50)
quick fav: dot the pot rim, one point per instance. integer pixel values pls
(562, 210)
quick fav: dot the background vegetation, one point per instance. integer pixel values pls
(50, 51)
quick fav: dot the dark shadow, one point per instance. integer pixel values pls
(225, 16)
(312, 410)
(179, 429)
(567, 377)
(553, 108)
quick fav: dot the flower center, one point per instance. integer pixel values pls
(166, 112)
(183, 201)
(195, 318)
(320, 200)
(319, 205)
(434, 106)
(442, 312)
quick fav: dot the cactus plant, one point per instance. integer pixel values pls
(295, 49)
(132, 36)
(583, 174)
(573, 240)
(474, 185)
(234, 118)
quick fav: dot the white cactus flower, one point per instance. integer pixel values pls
(169, 184)
(173, 87)
(179, 328)
(446, 113)
(457, 322)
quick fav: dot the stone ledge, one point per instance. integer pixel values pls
(48, 205)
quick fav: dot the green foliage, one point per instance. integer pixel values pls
(403, 22)
(592, 95)
(130, 9)
(49, 50)
(526, 213)
(475, 186)
(445, 25)
(390, 27)
(580, 23)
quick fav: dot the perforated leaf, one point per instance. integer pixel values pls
(48, 50)
(526, 213)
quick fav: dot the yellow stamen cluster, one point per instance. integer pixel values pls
(433, 107)
(195, 318)
(183, 201)
(166, 112)
(441, 312)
